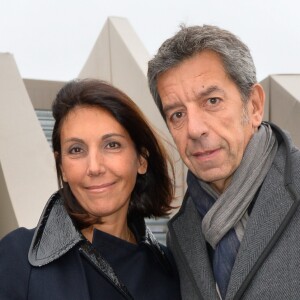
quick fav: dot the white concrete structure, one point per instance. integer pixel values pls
(283, 102)
(27, 176)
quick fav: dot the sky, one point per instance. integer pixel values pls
(51, 39)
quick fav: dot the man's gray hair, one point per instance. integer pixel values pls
(188, 41)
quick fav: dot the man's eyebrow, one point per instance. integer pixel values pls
(199, 95)
(208, 91)
(171, 106)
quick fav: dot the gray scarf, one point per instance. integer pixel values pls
(230, 209)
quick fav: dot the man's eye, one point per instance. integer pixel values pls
(176, 116)
(176, 119)
(213, 101)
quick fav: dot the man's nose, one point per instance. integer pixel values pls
(197, 123)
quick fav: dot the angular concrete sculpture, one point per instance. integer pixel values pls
(27, 173)
(120, 58)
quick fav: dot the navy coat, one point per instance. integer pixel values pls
(46, 263)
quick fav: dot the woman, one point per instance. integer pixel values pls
(91, 241)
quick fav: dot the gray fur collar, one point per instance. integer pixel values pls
(49, 241)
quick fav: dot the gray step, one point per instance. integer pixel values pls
(159, 228)
(47, 122)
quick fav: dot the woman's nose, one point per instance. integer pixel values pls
(96, 164)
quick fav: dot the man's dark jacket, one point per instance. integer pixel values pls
(267, 265)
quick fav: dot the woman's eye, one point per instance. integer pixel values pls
(75, 150)
(113, 145)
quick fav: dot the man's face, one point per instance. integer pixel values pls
(207, 118)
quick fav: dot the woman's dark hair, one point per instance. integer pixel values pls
(153, 191)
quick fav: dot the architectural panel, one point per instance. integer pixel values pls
(27, 163)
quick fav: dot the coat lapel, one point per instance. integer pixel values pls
(95, 258)
(186, 226)
(269, 213)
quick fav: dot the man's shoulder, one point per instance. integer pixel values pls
(187, 213)
(295, 152)
(289, 156)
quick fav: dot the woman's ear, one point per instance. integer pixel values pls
(63, 174)
(143, 165)
(57, 159)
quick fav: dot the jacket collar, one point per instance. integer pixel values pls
(49, 241)
(285, 139)
(278, 210)
(188, 242)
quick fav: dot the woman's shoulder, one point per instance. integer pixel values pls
(21, 234)
(16, 243)
(14, 266)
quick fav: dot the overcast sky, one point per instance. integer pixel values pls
(52, 39)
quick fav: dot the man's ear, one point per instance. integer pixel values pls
(256, 105)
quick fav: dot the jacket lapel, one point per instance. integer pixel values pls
(269, 214)
(186, 227)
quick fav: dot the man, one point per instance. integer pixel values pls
(237, 234)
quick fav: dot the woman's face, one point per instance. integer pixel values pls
(99, 162)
